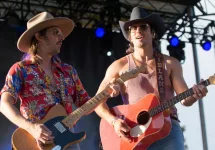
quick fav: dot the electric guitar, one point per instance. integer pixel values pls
(59, 123)
(148, 119)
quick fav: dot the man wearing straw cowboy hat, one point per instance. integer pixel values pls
(36, 80)
(143, 32)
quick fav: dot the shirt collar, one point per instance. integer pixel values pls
(56, 63)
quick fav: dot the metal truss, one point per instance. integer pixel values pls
(200, 31)
(89, 13)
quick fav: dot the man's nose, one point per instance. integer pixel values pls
(61, 37)
(139, 29)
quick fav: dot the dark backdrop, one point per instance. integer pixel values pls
(82, 50)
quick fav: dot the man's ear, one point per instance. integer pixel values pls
(153, 33)
(38, 36)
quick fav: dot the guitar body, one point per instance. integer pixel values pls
(22, 140)
(145, 130)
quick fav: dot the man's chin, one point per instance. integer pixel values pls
(140, 45)
(56, 52)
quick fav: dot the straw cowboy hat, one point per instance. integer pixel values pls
(139, 15)
(40, 22)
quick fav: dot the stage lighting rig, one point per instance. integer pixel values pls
(174, 41)
(206, 44)
(99, 32)
(175, 48)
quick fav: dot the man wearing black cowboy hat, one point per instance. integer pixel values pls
(143, 31)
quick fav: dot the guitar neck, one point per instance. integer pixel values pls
(87, 107)
(166, 104)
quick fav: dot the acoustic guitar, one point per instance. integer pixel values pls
(59, 123)
(148, 119)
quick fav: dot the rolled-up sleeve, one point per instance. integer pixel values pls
(13, 82)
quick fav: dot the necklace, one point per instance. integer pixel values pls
(143, 66)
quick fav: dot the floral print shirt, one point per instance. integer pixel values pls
(27, 82)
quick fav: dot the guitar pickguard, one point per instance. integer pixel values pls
(139, 129)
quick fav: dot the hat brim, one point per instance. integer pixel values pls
(66, 25)
(154, 20)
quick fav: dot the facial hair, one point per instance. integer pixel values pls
(55, 49)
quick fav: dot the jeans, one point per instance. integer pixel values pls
(174, 141)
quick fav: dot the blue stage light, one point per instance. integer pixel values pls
(206, 45)
(100, 32)
(174, 41)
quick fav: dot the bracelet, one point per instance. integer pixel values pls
(114, 121)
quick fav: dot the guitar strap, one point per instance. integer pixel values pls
(160, 75)
(161, 79)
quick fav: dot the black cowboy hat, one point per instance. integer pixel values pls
(139, 15)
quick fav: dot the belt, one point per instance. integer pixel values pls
(175, 118)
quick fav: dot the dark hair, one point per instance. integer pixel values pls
(155, 43)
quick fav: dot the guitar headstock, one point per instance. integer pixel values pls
(212, 79)
(129, 74)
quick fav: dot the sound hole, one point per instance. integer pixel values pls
(143, 117)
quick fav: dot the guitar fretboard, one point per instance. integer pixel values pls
(89, 105)
(168, 103)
